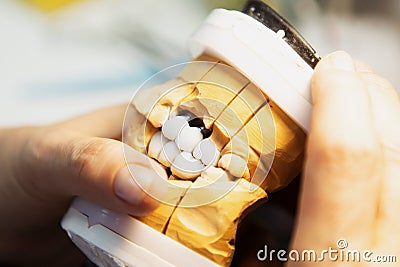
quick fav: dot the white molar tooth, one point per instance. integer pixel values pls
(207, 152)
(186, 166)
(216, 159)
(173, 126)
(156, 144)
(214, 174)
(168, 153)
(188, 138)
(197, 151)
(236, 165)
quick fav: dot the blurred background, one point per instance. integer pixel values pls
(59, 58)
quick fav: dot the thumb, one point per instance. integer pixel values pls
(106, 122)
(112, 174)
(105, 171)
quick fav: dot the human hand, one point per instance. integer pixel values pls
(351, 185)
(42, 168)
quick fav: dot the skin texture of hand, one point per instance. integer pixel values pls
(42, 168)
(351, 185)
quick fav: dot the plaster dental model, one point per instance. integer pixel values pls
(229, 128)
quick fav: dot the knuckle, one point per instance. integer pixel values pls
(377, 81)
(347, 151)
(84, 154)
(41, 148)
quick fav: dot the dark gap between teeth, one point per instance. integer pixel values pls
(169, 172)
(195, 121)
(205, 132)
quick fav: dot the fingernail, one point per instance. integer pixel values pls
(342, 61)
(131, 187)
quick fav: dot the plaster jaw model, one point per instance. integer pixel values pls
(245, 130)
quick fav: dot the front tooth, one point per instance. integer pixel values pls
(186, 166)
(207, 152)
(156, 103)
(168, 153)
(188, 138)
(156, 144)
(158, 115)
(172, 127)
(236, 165)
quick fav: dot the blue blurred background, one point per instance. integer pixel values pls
(60, 58)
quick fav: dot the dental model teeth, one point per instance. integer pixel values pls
(156, 145)
(168, 153)
(207, 152)
(188, 138)
(235, 165)
(213, 174)
(178, 135)
(160, 114)
(186, 166)
(173, 126)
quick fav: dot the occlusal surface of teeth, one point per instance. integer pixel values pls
(156, 144)
(168, 153)
(179, 145)
(207, 152)
(188, 138)
(173, 126)
(235, 164)
(186, 166)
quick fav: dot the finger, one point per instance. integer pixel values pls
(341, 104)
(386, 113)
(104, 171)
(341, 166)
(362, 66)
(106, 122)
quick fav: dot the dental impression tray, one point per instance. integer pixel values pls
(228, 128)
